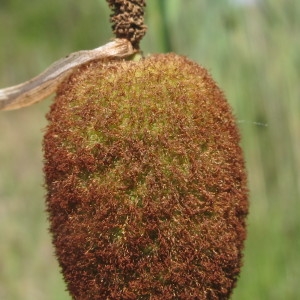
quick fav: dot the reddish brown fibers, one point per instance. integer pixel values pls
(146, 183)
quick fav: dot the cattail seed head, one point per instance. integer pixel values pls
(147, 194)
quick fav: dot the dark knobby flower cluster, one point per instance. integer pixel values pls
(147, 194)
(128, 19)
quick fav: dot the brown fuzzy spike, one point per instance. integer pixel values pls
(147, 194)
(128, 20)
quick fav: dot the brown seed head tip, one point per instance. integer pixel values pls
(128, 19)
(147, 194)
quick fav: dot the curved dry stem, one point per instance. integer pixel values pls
(46, 83)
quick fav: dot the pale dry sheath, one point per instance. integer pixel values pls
(46, 83)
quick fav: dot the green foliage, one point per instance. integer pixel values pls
(253, 53)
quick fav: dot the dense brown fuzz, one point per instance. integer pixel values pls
(146, 183)
(128, 19)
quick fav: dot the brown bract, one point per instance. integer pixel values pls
(128, 20)
(147, 194)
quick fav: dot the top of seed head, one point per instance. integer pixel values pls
(128, 20)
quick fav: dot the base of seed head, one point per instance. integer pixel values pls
(146, 183)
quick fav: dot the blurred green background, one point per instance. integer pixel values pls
(252, 50)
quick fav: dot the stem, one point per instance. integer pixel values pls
(46, 83)
(128, 20)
